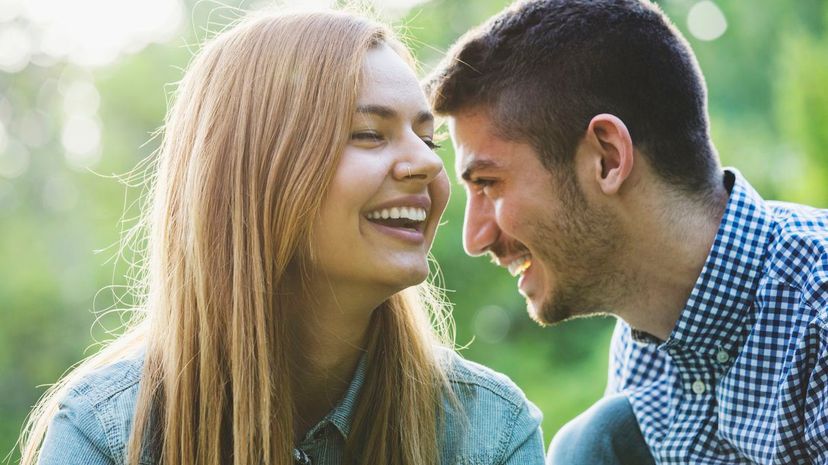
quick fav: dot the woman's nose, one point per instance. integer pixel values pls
(421, 163)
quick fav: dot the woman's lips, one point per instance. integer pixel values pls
(409, 235)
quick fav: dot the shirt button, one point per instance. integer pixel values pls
(722, 356)
(699, 387)
(301, 457)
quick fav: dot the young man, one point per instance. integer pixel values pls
(581, 135)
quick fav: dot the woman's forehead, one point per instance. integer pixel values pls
(388, 79)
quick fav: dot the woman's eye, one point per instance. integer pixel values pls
(430, 143)
(367, 136)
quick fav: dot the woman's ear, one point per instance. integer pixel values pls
(610, 149)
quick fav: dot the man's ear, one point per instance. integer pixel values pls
(610, 151)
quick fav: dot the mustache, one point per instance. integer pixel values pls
(506, 249)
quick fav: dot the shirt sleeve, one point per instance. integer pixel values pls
(75, 435)
(526, 446)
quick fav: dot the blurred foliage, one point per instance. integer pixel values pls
(768, 85)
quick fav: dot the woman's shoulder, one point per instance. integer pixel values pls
(464, 374)
(110, 382)
(489, 420)
(95, 414)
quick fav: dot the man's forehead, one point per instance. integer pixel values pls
(469, 121)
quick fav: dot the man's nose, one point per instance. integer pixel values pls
(480, 229)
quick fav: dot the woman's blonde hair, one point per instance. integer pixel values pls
(250, 146)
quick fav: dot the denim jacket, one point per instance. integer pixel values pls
(498, 425)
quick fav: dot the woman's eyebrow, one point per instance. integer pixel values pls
(379, 110)
(424, 117)
(389, 113)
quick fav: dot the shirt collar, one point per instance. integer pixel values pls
(342, 415)
(726, 287)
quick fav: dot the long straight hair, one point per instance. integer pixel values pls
(250, 145)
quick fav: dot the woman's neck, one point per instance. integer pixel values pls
(328, 345)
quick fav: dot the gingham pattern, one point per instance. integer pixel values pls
(743, 378)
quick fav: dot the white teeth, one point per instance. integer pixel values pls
(409, 213)
(519, 265)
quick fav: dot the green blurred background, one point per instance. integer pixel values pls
(84, 84)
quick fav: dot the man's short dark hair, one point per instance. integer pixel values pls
(544, 68)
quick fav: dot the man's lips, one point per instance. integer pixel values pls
(515, 259)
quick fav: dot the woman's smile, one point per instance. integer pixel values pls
(403, 218)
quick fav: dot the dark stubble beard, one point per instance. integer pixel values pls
(580, 246)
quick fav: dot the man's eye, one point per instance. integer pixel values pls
(481, 185)
(367, 136)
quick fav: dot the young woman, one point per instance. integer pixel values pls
(293, 204)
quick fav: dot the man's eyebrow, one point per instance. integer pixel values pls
(473, 166)
(388, 113)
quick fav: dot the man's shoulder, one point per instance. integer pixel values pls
(796, 222)
(798, 252)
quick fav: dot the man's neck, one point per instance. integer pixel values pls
(667, 259)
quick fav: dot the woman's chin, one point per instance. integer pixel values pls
(397, 281)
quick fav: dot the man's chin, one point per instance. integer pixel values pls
(545, 313)
(540, 312)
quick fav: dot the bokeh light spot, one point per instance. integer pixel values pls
(9, 9)
(706, 21)
(81, 98)
(15, 48)
(96, 32)
(492, 324)
(34, 129)
(59, 194)
(14, 159)
(81, 138)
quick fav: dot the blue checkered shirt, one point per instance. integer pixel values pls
(743, 377)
